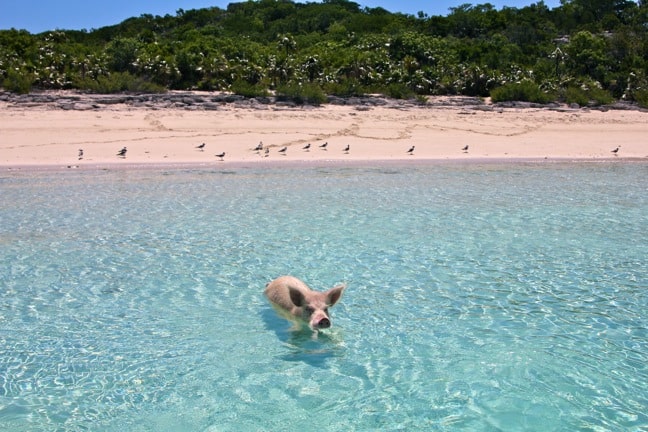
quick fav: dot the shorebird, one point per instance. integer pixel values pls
(221, 156)
(201, 147)
(465, 149)
(306, 147)
(80, 154)
(267, 151)
(122, 152)
(411, 150)
(616, 150)
(283, 151)
(259, 147)
(347, 148)
(323, 146)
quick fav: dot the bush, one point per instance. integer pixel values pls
(119, 82)
(18, 82)
(302, 93)
(576, 95)
(641, 97)
(399, 91)
(524, 91)
(346, 88)
(593, 96)
(244, 88)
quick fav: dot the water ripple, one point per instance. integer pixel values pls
(480, 297)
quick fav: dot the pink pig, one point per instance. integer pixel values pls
(294, 300)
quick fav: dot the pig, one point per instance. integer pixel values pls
(294, 300)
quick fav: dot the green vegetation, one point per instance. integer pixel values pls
(526, 91)
(117, 82)
(585, 51)
(584, 95)
(302, 93)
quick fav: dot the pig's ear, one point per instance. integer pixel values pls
(334, 294)
(296, 296)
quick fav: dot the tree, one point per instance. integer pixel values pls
(122, 54)
(586, 56)
(340, 47)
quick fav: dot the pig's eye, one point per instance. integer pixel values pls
(309, 310)
(326, 311)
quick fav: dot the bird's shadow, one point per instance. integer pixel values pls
(315, 348)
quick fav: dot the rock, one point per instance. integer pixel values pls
(110, 100)
(334, 100)
(263, 100)
(285, 104)
(210, 106)
(234, 98)
(80, 106)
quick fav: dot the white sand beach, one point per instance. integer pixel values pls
(44, 135)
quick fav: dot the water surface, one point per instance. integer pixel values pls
(481, 297)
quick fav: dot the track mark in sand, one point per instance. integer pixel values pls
(353, 130)
(488, 129)
(319, 137)
(107, 141)
(395, 134)
(155, 123)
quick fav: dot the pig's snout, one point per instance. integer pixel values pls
(324, 323)
(319, 320)
(317, 317)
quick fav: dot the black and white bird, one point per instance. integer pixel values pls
(221, 156)
(465, 149)
(122, 152)
(267, 151)
(323, 146)
(80, 154)
(283, 151)
(259, 147)
(201, 147)
(347, 148)
(411, 150)
(615, 151)
(306, 147)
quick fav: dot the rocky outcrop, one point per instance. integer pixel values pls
(210, 101)
(213, 101)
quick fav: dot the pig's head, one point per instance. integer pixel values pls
(314, 305)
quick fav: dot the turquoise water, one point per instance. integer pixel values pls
(480, 297)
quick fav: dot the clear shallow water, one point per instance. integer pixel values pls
(493, 297)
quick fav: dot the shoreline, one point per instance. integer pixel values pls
(355, 164)
(164, 131)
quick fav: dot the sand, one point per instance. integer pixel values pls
(42, 135)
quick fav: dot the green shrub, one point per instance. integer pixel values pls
(244, 88)
(524, 91)
(600, 97)
(587, 96)
(119, 82)
(399, 91)
(302, 93)
(421, 99)
(20, 82)
(346, 88)
(576, 95)
(641, 97)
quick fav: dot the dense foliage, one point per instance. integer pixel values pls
(585, 51)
